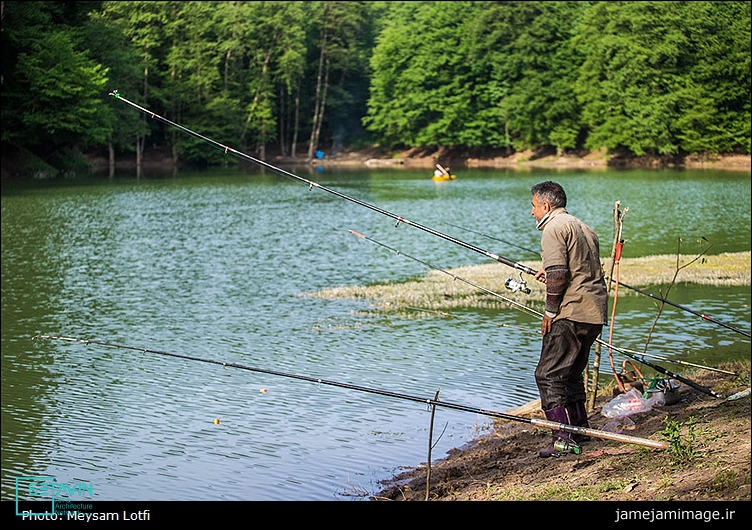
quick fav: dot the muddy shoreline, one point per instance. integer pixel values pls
(708, 458)
(419, 158)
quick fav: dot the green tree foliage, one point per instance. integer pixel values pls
(109, 46)
(654, 79)
(142, 24)
(715, 115)
(346, 31)
(644, 77)
(638, 77)
(52, 89)
(531, 66)
(423, 83)
(237, 71)
(477, 74)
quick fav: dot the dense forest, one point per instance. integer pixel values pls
(292, 78)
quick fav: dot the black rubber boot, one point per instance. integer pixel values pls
(578, 417)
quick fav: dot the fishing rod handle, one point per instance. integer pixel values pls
(599, 434)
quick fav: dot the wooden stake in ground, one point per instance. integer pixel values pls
(430, 445)
(618, 219)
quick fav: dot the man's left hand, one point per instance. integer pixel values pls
(546, 324)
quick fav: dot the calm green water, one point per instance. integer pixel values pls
(213, 265)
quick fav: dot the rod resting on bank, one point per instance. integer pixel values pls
(428, 401)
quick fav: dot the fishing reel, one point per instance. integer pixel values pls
(517, 285)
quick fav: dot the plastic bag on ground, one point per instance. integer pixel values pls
(625, 404)
(619, 425)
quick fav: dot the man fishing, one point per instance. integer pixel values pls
(575, 312)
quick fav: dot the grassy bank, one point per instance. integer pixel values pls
(437, 290)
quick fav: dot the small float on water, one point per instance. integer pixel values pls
(441, 173)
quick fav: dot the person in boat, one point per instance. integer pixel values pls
(440, 172)
(575, 312)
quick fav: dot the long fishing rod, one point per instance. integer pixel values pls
(688, 310)
(311, 184)
(638, 357)
(510, 301)
(619, 282)
(431, 402)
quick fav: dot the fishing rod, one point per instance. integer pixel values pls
(678, 361)
(311, 184)
(651, 355)
(638, 357)
(684, 308)
(619, 282)
(524, 307)
(430, 402)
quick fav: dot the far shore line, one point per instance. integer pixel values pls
(427, 159)
(528, 159)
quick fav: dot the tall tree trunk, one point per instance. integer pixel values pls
(140, 140)
(110, 159)
(261, 149)
(320, 118)
(256, 97)
(282, 121)
(175, 102)
(317, 100)
(296, 125)
(227, 68)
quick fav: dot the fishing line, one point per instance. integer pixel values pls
(684, 308)
(430, 402)
(636, 352)
(494, 238)
(636, 356)
(311, 184)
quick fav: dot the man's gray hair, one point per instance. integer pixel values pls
(552, 193)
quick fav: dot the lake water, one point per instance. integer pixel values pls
(213, 265)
